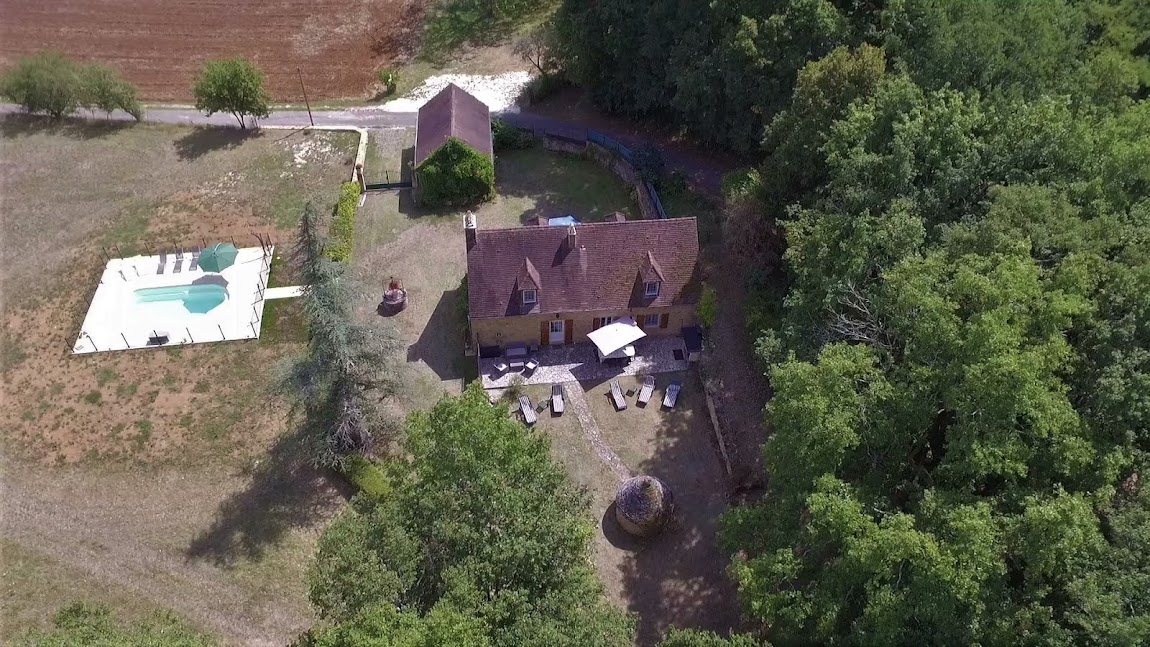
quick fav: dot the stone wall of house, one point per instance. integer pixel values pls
(527, 329)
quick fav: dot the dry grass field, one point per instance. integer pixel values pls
(165, 478)
(71, 190)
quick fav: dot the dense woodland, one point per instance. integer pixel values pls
(949, 210)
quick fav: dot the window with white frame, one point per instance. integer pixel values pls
(608, 320)
(651, 288)
(650, 320)
(529, 297)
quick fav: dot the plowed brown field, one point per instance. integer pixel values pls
(160, 45)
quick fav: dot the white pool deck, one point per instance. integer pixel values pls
(117, 321)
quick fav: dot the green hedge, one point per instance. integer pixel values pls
(342, 236)
(456, 175)
(366, 475)
(507, 137)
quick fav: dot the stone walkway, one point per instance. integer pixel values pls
(579, 362)
(574, 394)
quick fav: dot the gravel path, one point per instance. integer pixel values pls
(574, 394)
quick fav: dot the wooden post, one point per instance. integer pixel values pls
(305, 101)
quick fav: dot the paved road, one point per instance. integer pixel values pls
(187, 115)
(703, 174)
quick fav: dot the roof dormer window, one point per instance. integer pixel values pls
(651, 288)
(529, 297)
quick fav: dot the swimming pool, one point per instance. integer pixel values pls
(198, 299)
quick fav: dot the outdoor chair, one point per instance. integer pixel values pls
(527, 410)
(500, 367)
(178, 266)
(531, 365)
(617, 396)
(672, 395)
(194, 263)
(557, 406)
(163, 262)
(647, 390)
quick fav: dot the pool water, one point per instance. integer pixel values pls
(197, 298)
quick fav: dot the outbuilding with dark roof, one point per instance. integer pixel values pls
(452, 114)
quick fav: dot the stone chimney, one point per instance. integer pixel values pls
(572, 238)
(469, 229)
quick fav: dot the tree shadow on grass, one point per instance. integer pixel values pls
(205, 139)
(678, 578)
(285, 492)
(464, 22)
(15, 125)
(440, 344)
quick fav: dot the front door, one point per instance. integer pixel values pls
(557, 332)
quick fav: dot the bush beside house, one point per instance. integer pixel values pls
(456, 175)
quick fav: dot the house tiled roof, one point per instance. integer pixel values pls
(452, 113)
(604, 270)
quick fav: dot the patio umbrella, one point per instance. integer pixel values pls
(217, 257)
(612, 337)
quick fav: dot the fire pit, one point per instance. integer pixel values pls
(395, 297)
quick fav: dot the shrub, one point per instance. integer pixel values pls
(507, 137)
(366, 475)
(389, 77)
(103, 89)
(708, 307)
(542, 87)
(342, 238)
(456, 175)
(232, 85)
(45, 82)
(514, 388)
(649, 163)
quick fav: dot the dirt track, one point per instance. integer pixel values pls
(161, 45)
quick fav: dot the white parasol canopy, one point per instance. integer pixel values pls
(612, 337)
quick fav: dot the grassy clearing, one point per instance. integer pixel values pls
(35, 587)
(456, 23)
(284, 322)
(676, 579)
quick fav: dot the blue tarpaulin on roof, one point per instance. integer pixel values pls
(563, 221)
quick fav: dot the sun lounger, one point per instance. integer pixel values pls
(163, 262)
(672, 395)
(194, 263)
(617, 396)
(557, 405)
(178, 266)
(647, 390)
(527, 410)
